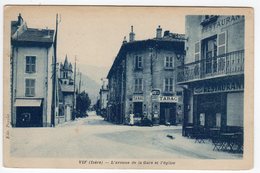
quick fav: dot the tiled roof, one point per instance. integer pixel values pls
(36, 35)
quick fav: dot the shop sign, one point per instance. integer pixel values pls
(168, 99)
(229, 20)
(219, 87)
(138, 98)
(155, 92)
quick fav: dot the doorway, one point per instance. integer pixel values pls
(138, 109)
(29, 117)
(167, 113)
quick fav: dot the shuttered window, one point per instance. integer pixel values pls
(168, 84)
(197, 51)
(30, 64)
(222, 42)
(138, 62)
(138, 85)
(29, 87)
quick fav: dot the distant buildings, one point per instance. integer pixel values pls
(142, 80)
(213, 72)
(66, 92)
(32, 52)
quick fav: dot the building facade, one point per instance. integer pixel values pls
(66, 91)
(142, 80)
(32, 52)
(213, 72)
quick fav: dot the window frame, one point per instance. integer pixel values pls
(168, 62)
(168, 85)
(138, 85)
(30, 88)
(138, 62)
(31, 66)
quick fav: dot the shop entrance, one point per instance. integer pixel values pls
(210, 110)
(138, 109)
(167, 113)
(29, 117)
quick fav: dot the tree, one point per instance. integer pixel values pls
(82, 104)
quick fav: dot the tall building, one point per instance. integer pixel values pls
(66, 92)
(213, 72)
(32, 52)
(142, 80)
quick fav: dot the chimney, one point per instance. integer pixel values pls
(124, 41)
(166, 33)
(132, 35)
(159, 32)
(20, 19)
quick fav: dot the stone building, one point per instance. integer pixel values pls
(32, 52)
(213, 72)
(142, 80)
(66, 91)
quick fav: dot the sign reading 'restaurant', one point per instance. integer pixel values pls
(219, 87)
(229, 20)
(171, 99)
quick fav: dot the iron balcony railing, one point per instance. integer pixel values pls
(227, 64)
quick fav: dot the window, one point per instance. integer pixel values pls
(30, 64)
(168, 85)
(29, 87)
(138, 62)
(168, 62)
(138, 85)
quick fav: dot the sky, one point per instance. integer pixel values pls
(94, 34)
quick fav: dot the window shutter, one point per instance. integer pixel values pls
(222, 42)
(197, 51)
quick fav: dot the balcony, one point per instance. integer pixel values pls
(227, 64)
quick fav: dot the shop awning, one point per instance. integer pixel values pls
(28, 102)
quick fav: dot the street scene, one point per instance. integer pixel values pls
(117, 86)
(94, 138)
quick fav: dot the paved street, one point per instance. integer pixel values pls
(92, 137)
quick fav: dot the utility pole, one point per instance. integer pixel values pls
(53, 104)
(79, 81)
(74, 90)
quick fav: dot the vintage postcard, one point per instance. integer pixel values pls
(128, 87)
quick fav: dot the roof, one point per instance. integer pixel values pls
(170, 44)
(36, 35)
(67, 88)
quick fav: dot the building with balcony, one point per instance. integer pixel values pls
(32, 52)
(142, 80)
(213, 72)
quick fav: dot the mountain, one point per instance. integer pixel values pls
(93, 72)
(90, 86)
(91, 79)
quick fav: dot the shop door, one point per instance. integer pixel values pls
(29, 117)
(167, 113)
(138, 109)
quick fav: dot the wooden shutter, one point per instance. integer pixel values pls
(222, 43)
(197, 51)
